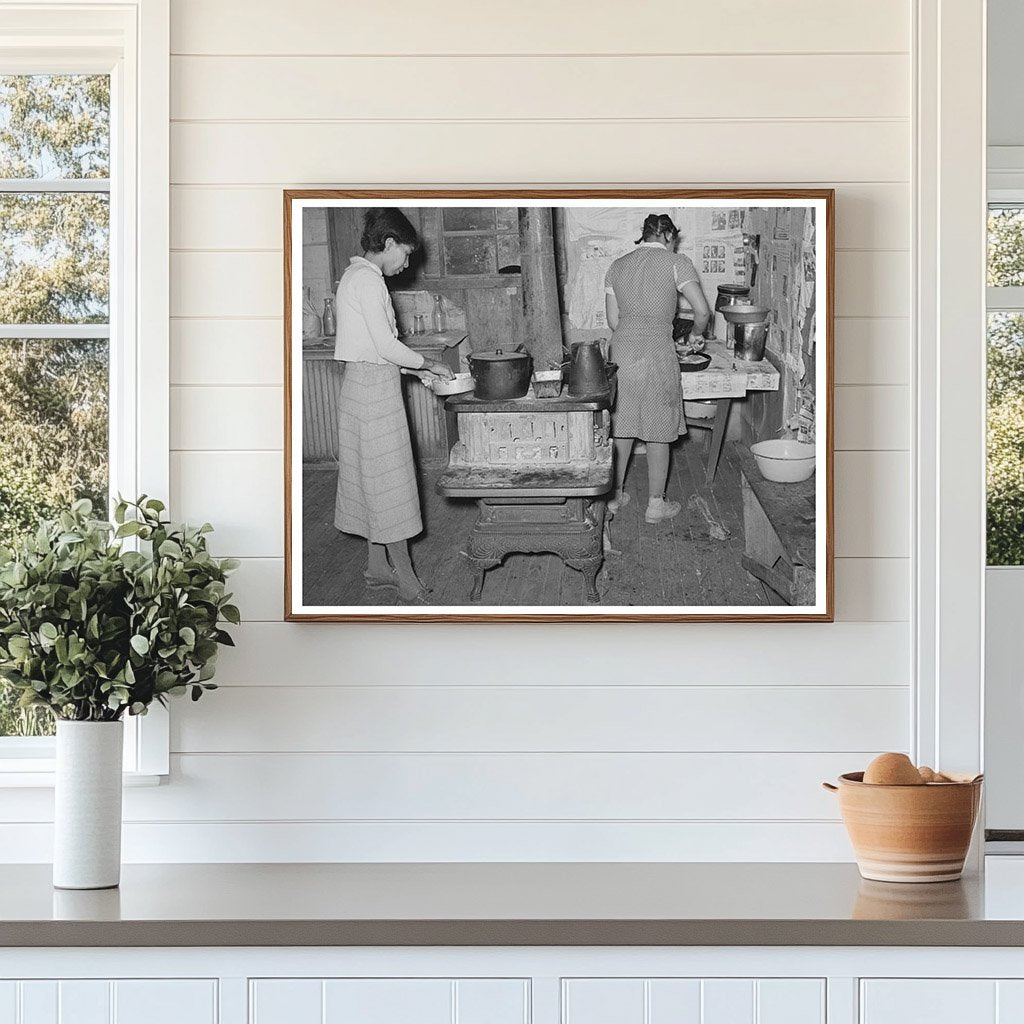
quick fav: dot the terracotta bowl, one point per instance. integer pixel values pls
(909, 833)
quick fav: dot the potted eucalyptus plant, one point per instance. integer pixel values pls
(99, 620)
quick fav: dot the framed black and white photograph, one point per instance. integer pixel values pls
(559, 405)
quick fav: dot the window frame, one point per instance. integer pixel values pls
(130, 41)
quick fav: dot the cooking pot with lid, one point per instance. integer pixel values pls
(500, 375)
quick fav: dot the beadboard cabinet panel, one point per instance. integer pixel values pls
(389, 1001)
(461, 26)
(930, 1001)
(693, 1001)
(572, 152)
(100, 1001)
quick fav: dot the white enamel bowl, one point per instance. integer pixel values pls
(784, 461)
(458, 385)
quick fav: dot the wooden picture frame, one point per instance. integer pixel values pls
(793, 251)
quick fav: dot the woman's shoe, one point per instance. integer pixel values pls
(659, 509)
(390, 582)
(419, 598)
(619, 501)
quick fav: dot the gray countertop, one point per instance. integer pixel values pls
(492, 904)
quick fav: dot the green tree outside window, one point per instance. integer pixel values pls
(54, 271)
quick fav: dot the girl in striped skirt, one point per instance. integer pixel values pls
(377, 496)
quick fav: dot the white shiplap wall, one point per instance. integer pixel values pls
(678, 741)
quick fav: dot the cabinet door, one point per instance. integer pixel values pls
(693, 1001)
(941, 1001)
(101, 1001)
(388, 1001)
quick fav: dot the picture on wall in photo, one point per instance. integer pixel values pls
(513, 407)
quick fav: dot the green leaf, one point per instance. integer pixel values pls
(18, 646)
(170, 549)
(140, 644)
(49, 631)
(231, 613)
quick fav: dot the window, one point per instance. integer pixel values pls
(1005, 479)
(84, 125)
(467, 241)
(54, 293)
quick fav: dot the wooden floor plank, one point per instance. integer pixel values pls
(670, 564)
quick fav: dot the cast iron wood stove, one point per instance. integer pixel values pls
(539, 469)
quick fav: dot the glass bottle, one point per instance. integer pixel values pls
(330, 322)
(440, 317)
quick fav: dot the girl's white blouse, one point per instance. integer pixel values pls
(367, 330)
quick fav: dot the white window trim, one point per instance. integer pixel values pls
(949, 445)
(131, 41)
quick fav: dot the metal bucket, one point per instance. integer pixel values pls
(748, 340)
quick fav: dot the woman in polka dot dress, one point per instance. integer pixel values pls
(641, 293)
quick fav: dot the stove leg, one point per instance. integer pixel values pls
(590, 567)
(480, 567)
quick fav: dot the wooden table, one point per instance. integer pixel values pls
(725, 379)
(779, 529)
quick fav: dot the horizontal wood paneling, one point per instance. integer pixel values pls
(235, 284)
(843, 654)
(227, 352)
(868, 216)
(867, 589)
(872, 589)
(576, 152)
(239, 418)
(495, 87)
(822, 94)
(491, 719)
(872, 418)
(241, 493)
(162, 842)
(872, 350)
(534, 26)
(460, 787)
(227, 488)
(227, 284)
(872, 503)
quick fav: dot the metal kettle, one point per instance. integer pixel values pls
(587, 373)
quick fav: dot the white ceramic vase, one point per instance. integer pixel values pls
(87, 805)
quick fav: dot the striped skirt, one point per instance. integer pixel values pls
(377, 495)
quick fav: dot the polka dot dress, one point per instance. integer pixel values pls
(645, 282)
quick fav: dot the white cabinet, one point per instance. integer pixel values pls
(941, 1001)
(693, 1001)
(95, 1001)
(388, 1001)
